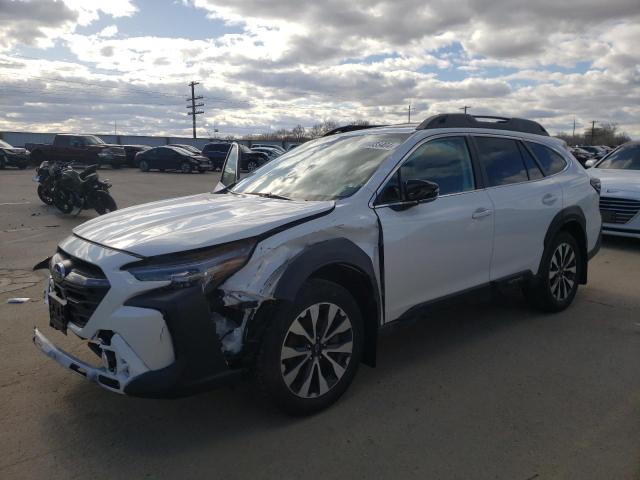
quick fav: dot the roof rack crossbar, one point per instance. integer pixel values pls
(462, 120)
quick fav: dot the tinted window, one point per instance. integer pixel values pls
(626, 157)
(532, 167)
(550, 161)
(445, 161)
(501, 160)
(62, 140)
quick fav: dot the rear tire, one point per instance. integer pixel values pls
(252, 165)
(3, 162)
(311, 351)
(144, 166)
(560, 271)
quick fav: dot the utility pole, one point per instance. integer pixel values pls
(194, 105)
(465, 108)
(574, 130)
(115, 128)
(409, 111)
(593, 129)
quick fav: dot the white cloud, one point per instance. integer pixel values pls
(304, 61)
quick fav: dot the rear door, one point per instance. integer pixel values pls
(524, 201)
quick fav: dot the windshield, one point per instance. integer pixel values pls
(624, 158)
(91, 140)
(325, 169)
(4, 144)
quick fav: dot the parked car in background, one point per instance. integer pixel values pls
(270, 153)
(130, 152)
(188, 148)
(619, 175)
(79, 149)
(581, 155)
(594, 150)
(267, 145)
(216, 152)
(291, 271)
(13, 157)
(172, 158)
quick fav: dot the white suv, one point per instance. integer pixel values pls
(291, 271)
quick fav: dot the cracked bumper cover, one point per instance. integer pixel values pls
(199, 363)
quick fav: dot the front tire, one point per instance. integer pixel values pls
(310, 354)
(63, 201)
(144, 166)
(559, 275)
(44, 193)
(3, 162)
(252, 165)
(103, 202)
(185, 167)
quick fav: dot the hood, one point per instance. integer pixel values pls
(14, 150)
(193, 222)
(617, 180)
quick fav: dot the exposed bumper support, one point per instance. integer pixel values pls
(101, 376)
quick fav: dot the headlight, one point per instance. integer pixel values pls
(208, 268)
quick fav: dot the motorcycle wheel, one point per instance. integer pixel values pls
(44, 193)
(63, 201)
(103, 202)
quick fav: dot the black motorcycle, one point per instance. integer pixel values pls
(82, 190)
(46, 176)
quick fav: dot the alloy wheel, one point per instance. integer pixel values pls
(252, 166)
(316, 351)
(562, 272)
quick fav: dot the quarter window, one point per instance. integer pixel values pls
(550, 161)
(501, 160)
(532, 167)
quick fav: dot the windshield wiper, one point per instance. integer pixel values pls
(267, 195)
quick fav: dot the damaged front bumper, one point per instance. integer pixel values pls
(114, 379)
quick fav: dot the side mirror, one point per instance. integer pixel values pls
(419, 191)
(589, 163)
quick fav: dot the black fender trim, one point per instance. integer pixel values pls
(572, 214)
(338, 251)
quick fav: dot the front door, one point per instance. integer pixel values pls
(438, 248)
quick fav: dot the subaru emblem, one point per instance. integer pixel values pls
(59, 271)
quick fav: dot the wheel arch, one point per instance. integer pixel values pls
(572, 220)
(340, 261)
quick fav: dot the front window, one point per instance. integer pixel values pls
(624, 158)
(4, 144)
(325, 169)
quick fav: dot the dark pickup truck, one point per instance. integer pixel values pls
(84, 149)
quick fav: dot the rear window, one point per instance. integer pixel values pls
(501, 160)
(550, 161)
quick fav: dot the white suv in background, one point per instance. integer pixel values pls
(291, 271)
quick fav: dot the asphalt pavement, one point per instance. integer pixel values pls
(480, 389)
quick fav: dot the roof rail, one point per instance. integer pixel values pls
(462, 120)
(349, 128)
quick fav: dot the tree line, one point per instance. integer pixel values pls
(606, 133)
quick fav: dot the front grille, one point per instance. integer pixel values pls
(618, 210)
(83, 286)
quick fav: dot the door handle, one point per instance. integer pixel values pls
(482, 212)
(549, 199)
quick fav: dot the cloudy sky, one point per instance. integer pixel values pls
(80, 65)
